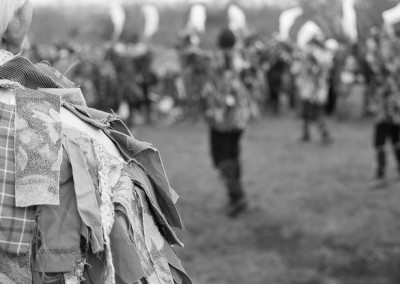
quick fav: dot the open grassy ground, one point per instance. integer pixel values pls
(317, 215)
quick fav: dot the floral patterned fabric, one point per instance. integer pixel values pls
(38, 149)
(227, 102)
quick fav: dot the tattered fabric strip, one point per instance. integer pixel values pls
(38, 149)
(82, 158)
(8, 84)
(150, 160)
(109, 173)
(141, 180)
(5, 56)
(148, 240)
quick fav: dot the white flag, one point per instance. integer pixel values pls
(390, 18)
(286, 21)
(118, 17)
(197, 19)
(152, 20)
(307, 32)
(237, 18)
(349, 20)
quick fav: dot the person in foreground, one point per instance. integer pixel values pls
(81, 200)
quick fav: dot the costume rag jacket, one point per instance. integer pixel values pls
(71, 211)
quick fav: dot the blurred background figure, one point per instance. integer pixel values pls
(387, 99)
(312, 81)
(227, 112)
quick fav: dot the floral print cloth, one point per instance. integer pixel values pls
(227, 102)
(38, 148)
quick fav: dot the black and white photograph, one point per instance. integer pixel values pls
(199, 141)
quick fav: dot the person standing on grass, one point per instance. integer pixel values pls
(227, 111)
(312, 82)
(387, 110)
(82, 201)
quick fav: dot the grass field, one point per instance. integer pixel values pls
(317, 215)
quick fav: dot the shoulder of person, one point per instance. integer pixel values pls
(76, 115)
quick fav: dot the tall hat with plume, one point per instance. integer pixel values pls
(118, 18)
(308, 32)
(151, 20)
(287, 20)
(237, 19)
(390, 18)
(349, 20)
(197, 19)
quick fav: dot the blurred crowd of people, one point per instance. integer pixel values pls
(269, 68)
(314, 81)
(112, 77)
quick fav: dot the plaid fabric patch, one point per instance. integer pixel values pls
(16, 224)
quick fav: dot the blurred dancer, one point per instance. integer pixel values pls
(387, 124)
(312, 81)
(277, 74)
(127, 89)
(227, 111)
(145, 78)
(194, 62)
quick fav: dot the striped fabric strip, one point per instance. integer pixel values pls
(21, 70)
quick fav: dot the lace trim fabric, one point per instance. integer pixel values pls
(8, 84)
(109, 173)
(169, 233)
(76, 276)
(116, 186)
(147, 238)
(149, 242)
(5, 56)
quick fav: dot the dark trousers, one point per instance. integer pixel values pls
(312, 113)
(225, 153)
(386, 131)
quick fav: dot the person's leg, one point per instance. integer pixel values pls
(217, 147)
(380, 133)
(221, 157)
(230, 170)
(395, 137)
(274, 83)
(274, 101)
(306, 130)
(225, 153)
(323, 128)
(237, 194)
(237, 187)
(306, 116)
